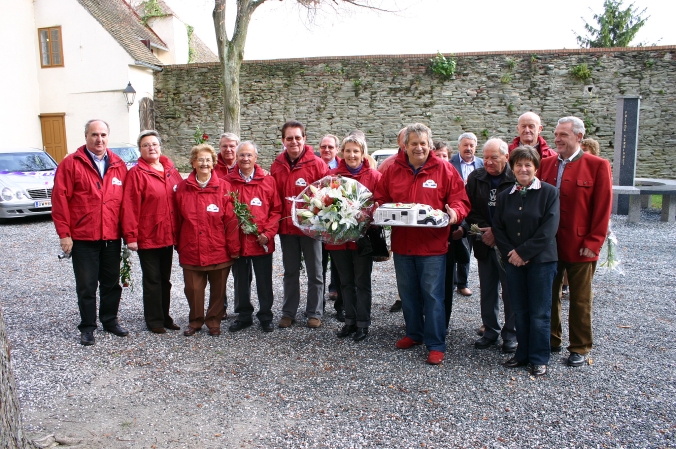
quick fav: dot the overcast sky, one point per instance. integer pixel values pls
(282, 29)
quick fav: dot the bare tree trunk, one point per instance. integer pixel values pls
(11, 433)
(231, 54)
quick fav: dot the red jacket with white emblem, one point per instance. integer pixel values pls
(148, 207)
(292, 181)
(260, 194)
(207, 226)
(367, 177)
(436, 184)
(84, 206)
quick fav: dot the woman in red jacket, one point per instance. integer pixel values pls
(148, 226)
(208, 241)
(354, 270)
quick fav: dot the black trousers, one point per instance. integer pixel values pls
(156, 267)
(262, 268)
(355, 283)
(96, 264)
(334, 281)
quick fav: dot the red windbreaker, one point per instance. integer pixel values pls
(543, 148)
(221, 170)
(207, 226)
(291, 182)
(368, 177)
(436, 184)
(84, 206)
(260, 194)
(148, 206)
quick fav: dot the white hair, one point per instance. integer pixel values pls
(578, 125)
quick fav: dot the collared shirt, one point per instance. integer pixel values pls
(332, 164)
(535, 185)
(247, 178)
(467, 168)
(562, 166)
(100, 163)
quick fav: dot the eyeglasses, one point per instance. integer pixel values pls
(292, 138)
(324, 147)
(150, 145)
(245, 156)
(205, 161)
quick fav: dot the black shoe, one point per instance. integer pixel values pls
(480, 330)
(538, 370)
(362, 333)
(396, 307)
(87, 338)
(509, 346)
(514, 363)
(346, 330)
(485, 343)
(239, 325)
(173, 326)
(556, 348)
(575, 359)
(117, 330)
(340, 315)
(267, 326)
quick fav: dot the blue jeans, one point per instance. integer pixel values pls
(530, 292)
(420, 281)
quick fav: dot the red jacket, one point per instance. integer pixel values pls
(221, 169)
(84, 206)
(586, 197)
(291, 182)
(399, 184)
(388, 162)
(260, 194)
(368, 177)
(207, 226)
(543, 149)
(148, 206)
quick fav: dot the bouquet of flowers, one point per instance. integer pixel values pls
(245, 218)
(125, 270)
(334, 210)
(609, 255)
(475, 230)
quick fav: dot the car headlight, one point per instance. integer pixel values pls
(7, 194)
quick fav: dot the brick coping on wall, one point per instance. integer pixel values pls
(562, 51)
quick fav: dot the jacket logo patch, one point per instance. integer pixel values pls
(212, 208)
(301, 182)
(175, 187)
(256, 202)
(430, 184)
(116, 182)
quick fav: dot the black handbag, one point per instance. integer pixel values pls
(373, 244)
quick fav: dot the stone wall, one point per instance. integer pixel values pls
(380, 94)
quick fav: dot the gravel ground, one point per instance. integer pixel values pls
(303, 387)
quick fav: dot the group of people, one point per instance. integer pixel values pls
(530, 214)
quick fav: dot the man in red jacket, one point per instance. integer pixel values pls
(529, 128)
(585, 191)
(86, 205)
(419, 176)
(227, 161)
(295, 169)
(258, 191)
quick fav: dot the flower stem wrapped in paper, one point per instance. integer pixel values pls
(610, 255)
(334, 210)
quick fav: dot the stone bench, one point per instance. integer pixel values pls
(668, 193)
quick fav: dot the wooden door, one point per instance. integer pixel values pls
(146, 113)
(54, 135)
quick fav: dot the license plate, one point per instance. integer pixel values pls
(46, 203)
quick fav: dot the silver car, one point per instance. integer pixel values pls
(26, 182)
(128, 153)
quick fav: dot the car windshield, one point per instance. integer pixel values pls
(23, 162)
(127, 154)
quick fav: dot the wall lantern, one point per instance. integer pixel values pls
(129, 95)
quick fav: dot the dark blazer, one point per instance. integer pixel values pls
(455, 161)
(478, 190)
(528, 224)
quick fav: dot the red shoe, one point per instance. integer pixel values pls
(407, 342)
(435, 357)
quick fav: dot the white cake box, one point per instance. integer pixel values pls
(409, 214)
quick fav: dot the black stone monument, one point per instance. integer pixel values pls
(626, 148)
